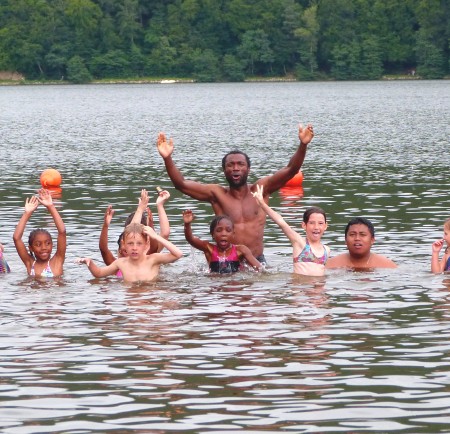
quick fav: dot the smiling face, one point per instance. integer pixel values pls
(359, 240)
(315, 227)
(41, 246)
(236, 170)
(223, 233)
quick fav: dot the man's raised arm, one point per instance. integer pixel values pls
(194, 189)
(278, 179)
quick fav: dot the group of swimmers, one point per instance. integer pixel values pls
(237, 230)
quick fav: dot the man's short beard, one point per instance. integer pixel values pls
(233, 184)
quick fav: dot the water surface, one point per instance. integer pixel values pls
(351, 352)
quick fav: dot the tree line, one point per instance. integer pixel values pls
(224, 40)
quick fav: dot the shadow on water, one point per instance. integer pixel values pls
(272, 352)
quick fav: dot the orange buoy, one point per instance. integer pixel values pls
(295, 181)
(50, 178)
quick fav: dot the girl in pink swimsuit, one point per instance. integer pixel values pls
(223, 256)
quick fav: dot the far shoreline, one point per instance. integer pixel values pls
(24, 82)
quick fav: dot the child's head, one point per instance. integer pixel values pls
(447, 231)
(313, 210)
(314, 223)
(135, 240)
(40, 244)
(130, 218)
(121, 250)
(221, 229)
(360, 221)
(447, 225)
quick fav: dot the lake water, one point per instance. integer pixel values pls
(249, 353)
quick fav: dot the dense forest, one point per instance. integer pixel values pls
(224, 40)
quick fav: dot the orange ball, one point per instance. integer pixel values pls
(296, 181)
(50, 178)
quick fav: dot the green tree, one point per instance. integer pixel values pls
(113, 64)
(308, 36)
(206, 66)
(77, 71)
(255, 51)
(430, 60)
(233, 68)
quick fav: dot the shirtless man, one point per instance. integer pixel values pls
(237, 200)
(359, 237)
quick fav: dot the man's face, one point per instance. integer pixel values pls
(236, 170)
(359, 240)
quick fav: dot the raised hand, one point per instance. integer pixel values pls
(31, 204)
(165, 148)
(259, 193)
(188, 216)
(143, 200)
(45, 198)
(305, 135)
(150, 232)
(163, 196)
(108, 215)
(150, 221)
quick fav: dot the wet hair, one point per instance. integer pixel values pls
(215, 221)
(134, 228)
(35, 232)
(313, 210)
(224, 159)
(360, 221)
(120, 239)
(447, 224)
(130, 218)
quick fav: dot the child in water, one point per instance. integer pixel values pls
(137, 266)
(38, 259)
(137, 217)
(310, 255)
(444, 264)
(222, 257)
(4, 267)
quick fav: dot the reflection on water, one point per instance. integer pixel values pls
(272, 352)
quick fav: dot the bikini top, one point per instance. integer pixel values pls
(46, 272)
(224, 264)
(307, 255)
(4, 267)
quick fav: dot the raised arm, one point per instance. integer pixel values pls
(164, 225)
(164, 258)
(278, 179)
(196, 190)
(107, 255)
(45, 198)
(142, 206)
(293, 236)
(188, 218)
(30, 206)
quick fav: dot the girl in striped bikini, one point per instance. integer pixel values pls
(310, 255)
